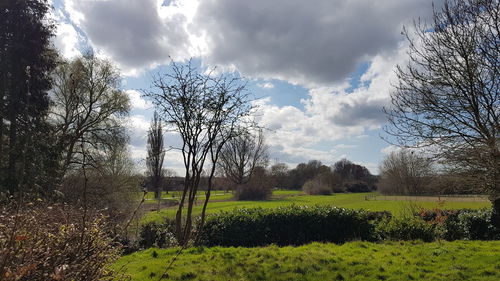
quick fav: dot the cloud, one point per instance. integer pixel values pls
(267, 85)
(66, 40)
(137, 126)
(312, 43)
(390, 149)
(332, 113)
(137, 101)
(136, 34)
(345, 146)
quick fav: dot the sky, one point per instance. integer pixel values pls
(321, 70)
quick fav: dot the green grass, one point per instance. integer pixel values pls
(175, 196)
(346, 200)
(459, 260)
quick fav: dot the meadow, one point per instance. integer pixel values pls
(414, 260)
(280, 198)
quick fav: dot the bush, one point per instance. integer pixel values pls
(40, 241)
(157, 235)
(477, 225)
(292, 225)
(316, 187)
(252, 192)
(410, 228)
(463, 224)
(358, 187)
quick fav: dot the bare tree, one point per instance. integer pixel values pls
(156, 154)
(86, 107)
(207, 111)
(448, 94)
(241, 155)
(405, 172)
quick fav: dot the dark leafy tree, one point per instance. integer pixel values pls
(26, 60)
(448, 95)
(306, 171)
(279, 174)
(156, 154)
(350, 171)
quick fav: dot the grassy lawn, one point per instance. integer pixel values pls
(345, 200)
(459, 260)
(175, 196)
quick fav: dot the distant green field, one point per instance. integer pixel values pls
(175, 196)
(345, 200)
(459, 260)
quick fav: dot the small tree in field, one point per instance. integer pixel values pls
(404, 172)
(241, 155)
(156, 154)
(448, 96)
(206, 111)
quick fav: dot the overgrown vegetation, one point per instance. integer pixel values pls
(41, 241)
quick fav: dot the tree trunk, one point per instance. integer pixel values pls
(12, 183)
(495, 218)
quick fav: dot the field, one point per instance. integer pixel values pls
(281, 198)
(175, 195)
(459, 260)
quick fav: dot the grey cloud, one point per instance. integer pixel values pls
(363, 113)
(132, 31)
(308, 42)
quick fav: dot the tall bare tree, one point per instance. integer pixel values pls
(207, 111)
(241, 155)
(156, 154)
(448, 96)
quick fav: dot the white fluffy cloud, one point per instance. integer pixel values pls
(267, 85)
(331, 113)
(137, 101)
(66, 40)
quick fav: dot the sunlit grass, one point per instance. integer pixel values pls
(459, 260)
(345, 200)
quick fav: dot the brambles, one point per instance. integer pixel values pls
(41, 241)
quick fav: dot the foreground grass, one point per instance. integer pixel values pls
(459, 260)
(344, 200)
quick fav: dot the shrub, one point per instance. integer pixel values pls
(476, 225)
(463, 224)
(157, 234)
(316, 187)
(358, 187)
(41, 241)
(293, 225)
(378, 216)
(408, 228)
(252, 192)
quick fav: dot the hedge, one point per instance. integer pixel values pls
(297, 225)
(294, 225)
